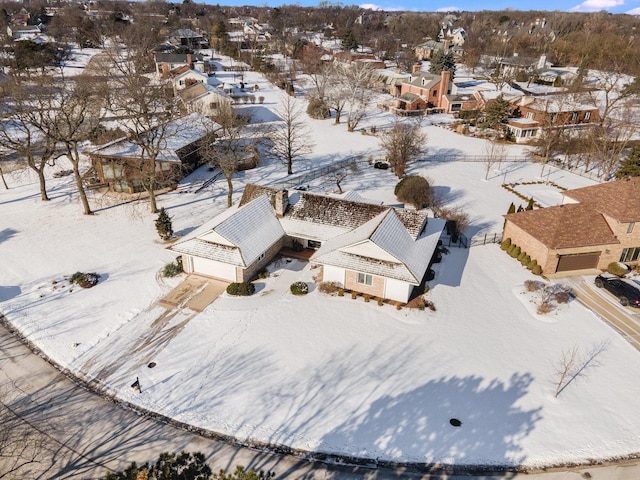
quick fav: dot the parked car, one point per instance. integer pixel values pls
(381, 165)
(627, 294)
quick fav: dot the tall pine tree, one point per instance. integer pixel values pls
(349, 41)
(441, 60)
(630, 166)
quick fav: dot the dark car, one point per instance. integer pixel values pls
(626, 293)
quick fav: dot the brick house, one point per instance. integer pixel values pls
(593, 227)
(424, 90)
(368, 248)
(537, 114)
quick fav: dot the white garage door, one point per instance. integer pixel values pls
(211, 268)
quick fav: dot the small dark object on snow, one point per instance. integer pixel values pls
(136, 384)
(151, 365)
(381, 165)
(455, 422)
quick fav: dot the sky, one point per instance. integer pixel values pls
(613, 6)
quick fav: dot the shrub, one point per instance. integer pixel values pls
(398, 306)
(380, 302)
(330, 287)
(431, 306)
(563, 296)
(617, 268)
(341, 292)
(261, 99)
(367, 298)
(354, 295)
(544, 307)
(299, 288)
(318, 109)
(511, 248)
(243, 289)
(521, 256)
(172, 269)
(533, 285)
(516, 252)
(85, 280)
(532, 264)
(414, 190)
(506, 243)
(163, 225)
(525, 260)
(536, 269)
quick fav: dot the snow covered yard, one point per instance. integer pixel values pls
(321, 372)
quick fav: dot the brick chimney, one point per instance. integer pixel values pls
(445, 80)
(281, 203)
(189, 61)
(416, 68)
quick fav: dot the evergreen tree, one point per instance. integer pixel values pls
(520, 209)
(497, 112)
(441, 60)
(530, 204)
(630, 166)
(349, 41)
(163, 225)
(512, 208)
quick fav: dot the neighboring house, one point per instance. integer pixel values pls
(183, 77)
(593, 227)
(185, 37)
(120, 163)
(537, 114)
(389, 81)
(424, 90)
(165, 62)
(26, 32)
(509, 67)
(455, 35)
(204, 99)
(368, 248)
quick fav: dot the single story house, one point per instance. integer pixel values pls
(593, 227)
(368, 248)
(204, 99)
(120, 164)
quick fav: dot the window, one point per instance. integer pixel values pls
(530, 115)
(456, 107)
(574, 116)
(630, 227)
(554, 117)
(630, 254)
(365, 279)
(213, 106)
(587, 115)
(313, 244)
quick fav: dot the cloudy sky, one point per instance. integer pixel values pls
(613, 6)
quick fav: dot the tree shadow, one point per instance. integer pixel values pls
(9, 292)
(7, 233)
(415, 425)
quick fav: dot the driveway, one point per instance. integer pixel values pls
(625, 320)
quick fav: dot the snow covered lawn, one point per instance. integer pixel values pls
(321, 372)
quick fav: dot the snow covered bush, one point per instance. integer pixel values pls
(299, 288)
(243, 289)
(85, 280)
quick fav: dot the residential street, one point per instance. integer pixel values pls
(87, 435)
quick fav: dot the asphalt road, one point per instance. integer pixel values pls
(88, 436)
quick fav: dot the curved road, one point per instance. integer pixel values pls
(87, 435)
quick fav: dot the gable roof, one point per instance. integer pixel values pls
(565, 226)
(253, 191)
(179, 133)
(382, 246)
(238, 236)
(619, 199)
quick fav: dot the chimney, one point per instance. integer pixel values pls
(165, 69)
(445, 80)
(281, 202)
(416, 68)
(189, 62)
(542, 62)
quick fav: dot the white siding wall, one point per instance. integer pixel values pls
(211, 268)
(397, 290)
(333, 274)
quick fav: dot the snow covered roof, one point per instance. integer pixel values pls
(239, 236)
(384, 247)
(178, 134)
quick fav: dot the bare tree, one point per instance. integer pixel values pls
(291, 140)
(356, 80)
(403, 143)
(608, 143)
(146, 107)
(19, 134)
(495, 153)
(339, 177)
(232, 146)
(572, 364)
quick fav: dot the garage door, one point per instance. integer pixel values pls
(211, 268)
(580, 261)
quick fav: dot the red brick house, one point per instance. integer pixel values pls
(593, 227)
(424, 90)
